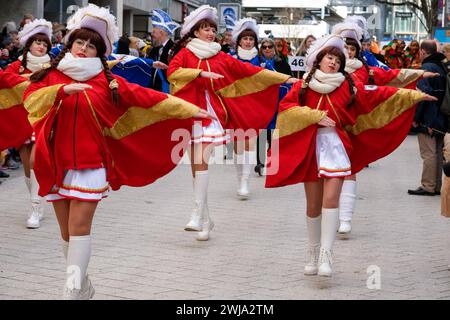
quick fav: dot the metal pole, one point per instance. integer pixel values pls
(60, 11)
(444, 6)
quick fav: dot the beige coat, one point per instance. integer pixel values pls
(445, 191)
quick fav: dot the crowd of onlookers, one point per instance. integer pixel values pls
(395, 55)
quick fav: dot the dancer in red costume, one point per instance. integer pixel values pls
(240, 95)
(88, 125)
(36, 41)
(327, 125)
(357, 67)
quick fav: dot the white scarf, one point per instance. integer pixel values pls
(203, 49)
(325, 82)
(80, 69)
(35, 63)
(351, 65)
(247, 54)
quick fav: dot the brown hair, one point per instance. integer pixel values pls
(247, 33)
(97, 41)
(335, 52)
(352, 42)
(203, 23)
(26, 48)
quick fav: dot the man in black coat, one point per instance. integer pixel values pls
(430, 123)
(163, 28)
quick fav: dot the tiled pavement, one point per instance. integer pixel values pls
(257, 249)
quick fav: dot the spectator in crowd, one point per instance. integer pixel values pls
(306, 43)
(6, 57)
(26, 18)
(59, 31)
(412, 56)
(394, 54)
(163, 29)
(271, 61)
(430, 123)
(136, 45)
(123, 45)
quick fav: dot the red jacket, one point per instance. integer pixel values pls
(14, 126)
(245, 98)
(371, 128)
(133, 140)
(399, 78)
(15, 68)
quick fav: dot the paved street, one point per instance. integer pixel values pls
(256, 251)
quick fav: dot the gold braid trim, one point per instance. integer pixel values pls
(386, 111)
(137, 118)
(39, 103)
(13, 96)
(405, 77)
(182, 77)
(296, 119)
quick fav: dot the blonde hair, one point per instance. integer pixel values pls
(446, 47)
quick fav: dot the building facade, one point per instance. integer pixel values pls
(133, 16)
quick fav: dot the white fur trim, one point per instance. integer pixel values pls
(203, 12)
(34, 27)
(348, 30)
(243, 24)
(98, 19)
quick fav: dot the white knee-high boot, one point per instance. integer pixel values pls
(330, 220)
(248, 160)
(78, 286)
(313, 226)
(28, 183)
(37, 210)
(347, 206)
(207, 223)
(200, 192)
(65, 247)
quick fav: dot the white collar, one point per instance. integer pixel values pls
(247, 55)
(325, 82)
(35, 63)
(351, 65)
(203, 49)
(80, 69)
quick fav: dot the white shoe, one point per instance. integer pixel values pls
(345, 227)
(313, 255)
(33, 220)
(243, 191)
(195, 224)
(325, 262)
(204, 234)
(207, 225)
(86, 292)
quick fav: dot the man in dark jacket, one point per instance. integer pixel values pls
(163, 29)
(430, 123)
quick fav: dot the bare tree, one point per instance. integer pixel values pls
(429, 9)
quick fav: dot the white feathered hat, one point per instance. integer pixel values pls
(243, 24)
(331, 40)
(34, 27)
(348, 30)
(202, 12)
(362, 23)
(98, 19)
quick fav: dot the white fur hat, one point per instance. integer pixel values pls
(331, 40)
(202, 12)
(362, 23)
(97, 19)
(34, 27)
(348, 30)
(243, 24)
